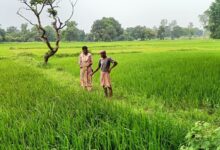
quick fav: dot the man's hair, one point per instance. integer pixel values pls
(102, 52)
(84, 48)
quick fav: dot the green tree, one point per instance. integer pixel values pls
(72, 33)
(81, 35)
(106, 29)
(214, 19)
(178, 32)
(190, 30)
(163, 29)
(13, 34)
(150, 33)
(89, 37)
(50, 33)
(34, 34)
(161, 32)
(138, 33)
(204, 20)
(128, 34)
(197, 32)
(2, 35)
(172, 27)
(25, 33)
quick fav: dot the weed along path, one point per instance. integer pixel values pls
(158, 97)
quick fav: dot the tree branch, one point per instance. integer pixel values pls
(22, 16)
(56, 27)
(42, 8)
(73, 5)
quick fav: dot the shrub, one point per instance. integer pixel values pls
(202, 136)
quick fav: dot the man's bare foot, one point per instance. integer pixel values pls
(89, 89)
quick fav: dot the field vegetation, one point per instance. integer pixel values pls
(161, 89)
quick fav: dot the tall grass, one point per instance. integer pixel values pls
(186, 79)
(37, 113)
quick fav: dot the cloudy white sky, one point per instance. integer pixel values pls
(127, 12)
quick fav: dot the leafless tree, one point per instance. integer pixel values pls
(37, 7)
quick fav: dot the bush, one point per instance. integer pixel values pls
(202, 136)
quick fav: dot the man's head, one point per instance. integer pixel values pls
(85, 50)
(103, 54)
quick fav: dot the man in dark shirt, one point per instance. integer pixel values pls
(105, 65)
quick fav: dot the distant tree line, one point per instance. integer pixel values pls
(109, 29)
(105, 29)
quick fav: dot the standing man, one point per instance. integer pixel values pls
(85, 62)
(106, 68)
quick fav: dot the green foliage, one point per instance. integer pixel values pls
(50, 115)
(214, 19)
(36, 2)
(190, 30)
(204, 19)
(89, 37)
(139, 33)
(2, 35)
(72, 33)
(160, 89)
(52, 12)
(25, 33)
(177, 32)
(203, 137)
(34, 35)
(106, 29)
(161, 33)
(174, 31)
(12, 34)
(40, 2)
(164, 30)
(50, 32)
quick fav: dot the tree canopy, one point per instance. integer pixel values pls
(72, 33)
(106, 29)
(2, 34)
(214, 19)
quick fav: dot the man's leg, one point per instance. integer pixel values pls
(89, 84)
(110, 91)
(89, 80)
(105, 91)
(81, 78)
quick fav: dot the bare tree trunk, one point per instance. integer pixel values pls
(48, 55)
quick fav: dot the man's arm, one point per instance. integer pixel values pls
(96, 70)
(90, 61)
(99, 66)
(115, 63)
(89, 64)
(80, 61)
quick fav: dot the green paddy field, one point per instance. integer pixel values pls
(161, 89)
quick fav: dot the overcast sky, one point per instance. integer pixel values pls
(127, 12)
